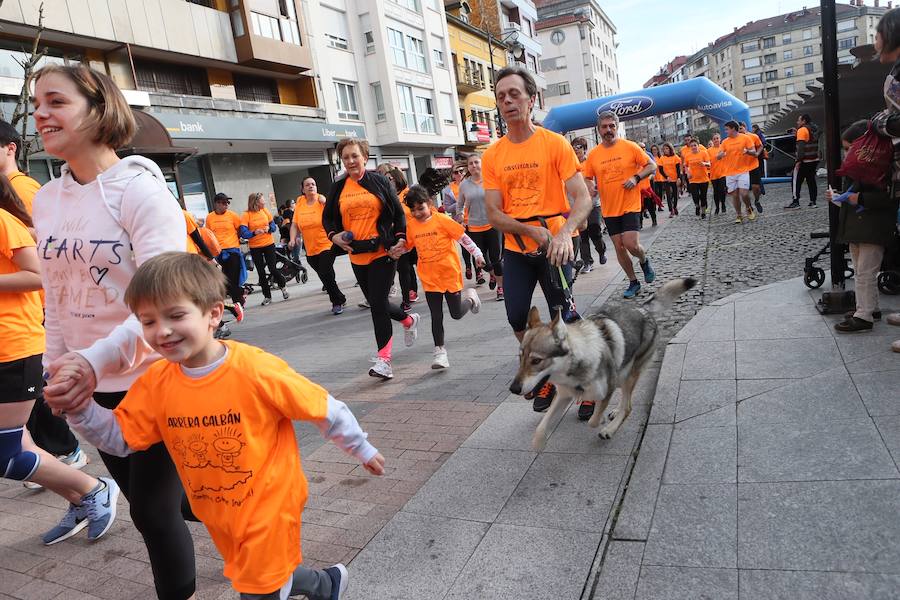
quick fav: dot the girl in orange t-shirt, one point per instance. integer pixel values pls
(671, 164)
(307, 222)
(696, 163)
(257, 226)
(435, 236)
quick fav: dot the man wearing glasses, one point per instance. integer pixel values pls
(225, 224)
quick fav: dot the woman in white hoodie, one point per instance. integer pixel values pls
(96, 223)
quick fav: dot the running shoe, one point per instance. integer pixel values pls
(585, 410)
(440, 359)
(738, 220)
(339, 580)
(544, 398)
(793, 204)
(100, 508)
(752, 215)
(284, 293)
(812, 204)
(337, 309)
(413, 296)
(412, 332)
(759, 206)
(633, 288)
(77, 459)
(382, 369)
(223, 332)
(472, 296)
(238, 311)
(72, 522)
(649, 273)
(492, 282)
(266, 302)
(479, 277)
(587, 268)
(468, 273)
(500, 296)
(602, 258)
(364, 304)
(405, 307)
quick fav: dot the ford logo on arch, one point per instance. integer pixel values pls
(627, 107)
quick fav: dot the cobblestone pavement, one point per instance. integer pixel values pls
(418, 420)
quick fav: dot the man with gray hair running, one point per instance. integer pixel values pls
(619, 165)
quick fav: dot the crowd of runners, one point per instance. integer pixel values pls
(102, 275)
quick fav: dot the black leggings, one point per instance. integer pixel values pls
(523, 273)
(489, 243)
(150, 483)
(436, 306)
(698, 193)
(323, 264)
(49, 432)
(262, 257)
(406, 271)
(720, 193)
(805, 171)
(592, 234)
(375, 280)
(670, 188)
(231, 267)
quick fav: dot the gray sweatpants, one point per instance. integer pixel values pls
(314, 583)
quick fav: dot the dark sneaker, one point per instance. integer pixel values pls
(876, 314)
(759, 207)
(266, 302)
(500, 296)
(337, 309)
(100, 508)
(492, 282)
(405, 307)
(602, 258)
(339, 580)
(649, 273)
(633, 288)
(794, 204)
(585, 410)
(812, 204)
(544, 397)
(284, 293)
(479, 277)
(853, 325)
(72, 522)
(468, 273)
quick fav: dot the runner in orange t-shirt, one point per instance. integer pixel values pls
(225, 412)
(257, 226)
(435, 236)
(696, 163)
(670, 166)
(757, 173)
(738, 155)
(619, 166)
(529, 176)
(225, 225)
(591, 230)
(717, 173)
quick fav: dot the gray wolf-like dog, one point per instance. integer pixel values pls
(607, 349)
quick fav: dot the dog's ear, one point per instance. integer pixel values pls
(558, 326)
(534, 317)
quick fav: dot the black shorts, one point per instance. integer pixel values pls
(756, 176)
(21, 379)
(630, 221)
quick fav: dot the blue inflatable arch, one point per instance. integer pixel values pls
(699, 94)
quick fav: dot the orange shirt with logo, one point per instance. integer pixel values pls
(435, 241)
(612, 166)
(694, 162)
(736, 161)
(360, 210)
(670, 164)
(231, 437)
(716, 165)
(531, 177)
(308, 218)
(21, 315)
(225, 227)
(258, 219)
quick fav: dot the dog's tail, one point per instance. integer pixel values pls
(668, 293)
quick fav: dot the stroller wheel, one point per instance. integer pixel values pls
(814, 277)
(849, 273)
(889, 282)
(303, 277)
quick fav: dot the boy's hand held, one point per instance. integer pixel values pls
(375, 466)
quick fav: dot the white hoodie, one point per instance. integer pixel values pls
(91, 240)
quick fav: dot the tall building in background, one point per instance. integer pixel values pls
(768, 63)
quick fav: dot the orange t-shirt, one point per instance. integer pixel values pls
(757, 144)
(658, 176)
(21, 315)
(716, 165)
(669, 163)
(694, 163)
(225, 228)
(231, 438)
(25, 187)
(360, 210)
(191, 226)
(684, 150)
(735, 160)
(435, 241)
(612, 166)
(531, 177)
(259, 219)
(308, 218)
(802, 134)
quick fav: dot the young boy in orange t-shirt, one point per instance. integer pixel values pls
(224, 410)
(435, 236)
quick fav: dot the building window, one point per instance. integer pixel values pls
(788, 54)
(846, 25)
(808, 68)
(752, 79)
(807, 50)
(774, 107)
(771, 92)
(474, 73)
(283, 30)
(171, 79)
(564, 88)
(416, 110)
(369, 37)
(789, 71)
(438, 57)
(410, 4)
(754, 95)
(807, 34)
(810, 83)
(757, 111)
(346, 101)
(786, 38)
(408, 51)
(237, 23)
(789, 88)
(446, 108)
(380, 114)
(750, 46)
(771, 75)
(206, 3)
(749, 63)
(334, 27)
(770, 59)
(847, 43)
(395, 38)
(769, 42)
(847, 60)
(365, 24)
(256, 89)
(407, 110)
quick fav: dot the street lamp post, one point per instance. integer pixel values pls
(511, 39)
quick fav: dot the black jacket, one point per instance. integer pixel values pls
(391, 223)
(876, 224)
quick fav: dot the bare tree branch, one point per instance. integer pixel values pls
(21, 112)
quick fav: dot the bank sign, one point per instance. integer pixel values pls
(629, 107)
(203, 127)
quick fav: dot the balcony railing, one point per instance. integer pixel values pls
(468, 80)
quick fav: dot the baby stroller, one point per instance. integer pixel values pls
(289, 268)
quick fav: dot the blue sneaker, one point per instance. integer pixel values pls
(72, 522)
(339, 580)
(649, 273)
(100, 508)
(337, 309)
(633, 288)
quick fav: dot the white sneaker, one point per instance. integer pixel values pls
(412, 332)
(440, 358)
(471, 295)
(382, 369)
(77, 460)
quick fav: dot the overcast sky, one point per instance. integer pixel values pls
(653, 32)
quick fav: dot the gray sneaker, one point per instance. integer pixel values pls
(77, 460)
(100, 508)
(72, 522)
(412, 332)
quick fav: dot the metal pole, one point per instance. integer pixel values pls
(832, 133)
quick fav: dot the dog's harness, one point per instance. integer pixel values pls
(557, 277)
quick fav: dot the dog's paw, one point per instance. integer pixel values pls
(605, 434)
(538, 443)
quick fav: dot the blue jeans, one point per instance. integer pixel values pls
(521, 272)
